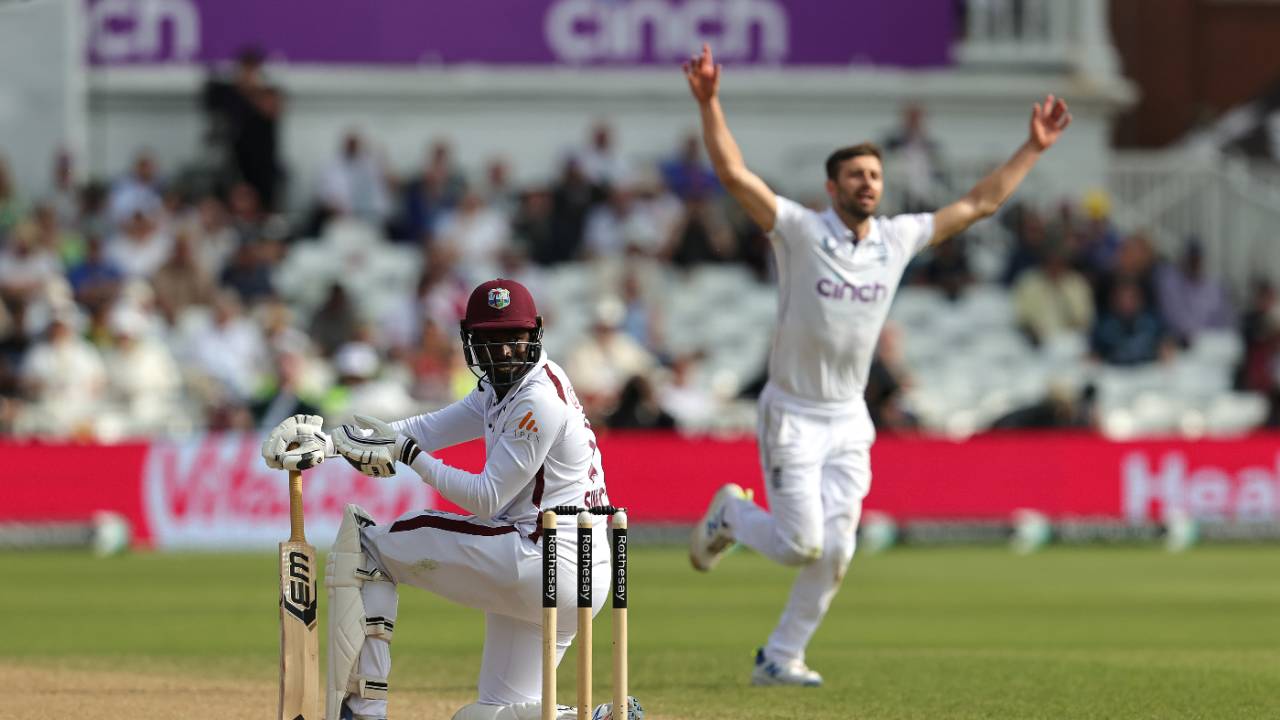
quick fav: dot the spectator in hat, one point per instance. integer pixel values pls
(360, 389)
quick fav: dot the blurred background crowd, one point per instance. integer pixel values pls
(226, 292)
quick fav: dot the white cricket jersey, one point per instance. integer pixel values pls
(540, 450)
(834, 296)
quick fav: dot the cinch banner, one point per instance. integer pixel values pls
(523, 32)
(214, 492)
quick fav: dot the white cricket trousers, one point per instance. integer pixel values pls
(488, 566)
(817, 471)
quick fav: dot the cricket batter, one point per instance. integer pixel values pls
(838, 271)
(540, 452)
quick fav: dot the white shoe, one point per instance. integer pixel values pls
(712, 537)
(768, 672)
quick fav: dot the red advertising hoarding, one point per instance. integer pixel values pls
(213, 491)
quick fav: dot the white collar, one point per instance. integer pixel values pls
(844, 232)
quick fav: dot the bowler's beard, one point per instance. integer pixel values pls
(853, 210)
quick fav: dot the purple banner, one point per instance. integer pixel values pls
(523, 32)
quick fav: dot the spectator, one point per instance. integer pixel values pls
(182, 281)
(142, 375)
(227, 356)
(599, 159)
(571, 201)
(684, 398)
(1099, 240)
(916, 155)
(1030, 240)
(360, 390)
(137, 191)
(435, 190)
(1190, 301)
(1053, 298)
(64, 379)
(12, 207)
(334, 324)
(533, 226)
(279, 331)
(64, 196)
(947, 269)
(1128, 333)
(213, 239)
(618, 225)
(440, 297)
(662, 208)
(431, 363)
(498, 191)
(474, 234)
(686, 173)
(603, 362)
(95, 219)
(26, 266)
(252, 109)
(452, 183)
(64, 241)
(249, 273)
(638, 408)
(1134, 263)
(1260, 330)
(641, 318)
(703, 235)
(96, 280)
(247, 217)
(142, 245)
(355, 184)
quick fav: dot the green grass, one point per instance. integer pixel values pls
(937, 633)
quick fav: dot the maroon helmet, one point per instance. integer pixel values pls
(494, 306)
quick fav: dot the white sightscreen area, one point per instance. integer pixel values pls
(42, 88)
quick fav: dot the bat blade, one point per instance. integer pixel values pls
(299, 636)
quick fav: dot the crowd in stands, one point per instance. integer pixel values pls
(152, 302)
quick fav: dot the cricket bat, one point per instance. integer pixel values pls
(299, 638)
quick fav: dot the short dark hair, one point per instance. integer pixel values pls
(845, 153)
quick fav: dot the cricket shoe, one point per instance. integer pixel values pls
(711, 537)
(795, 672)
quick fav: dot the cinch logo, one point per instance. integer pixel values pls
(839, 290)
(121, 30)
(667, 30)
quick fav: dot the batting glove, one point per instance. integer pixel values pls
(305, 434)
(373, 447)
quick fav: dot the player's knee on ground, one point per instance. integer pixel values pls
(362, 604)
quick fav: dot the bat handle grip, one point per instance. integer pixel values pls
(296, 533)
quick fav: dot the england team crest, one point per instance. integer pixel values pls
(499, 298)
